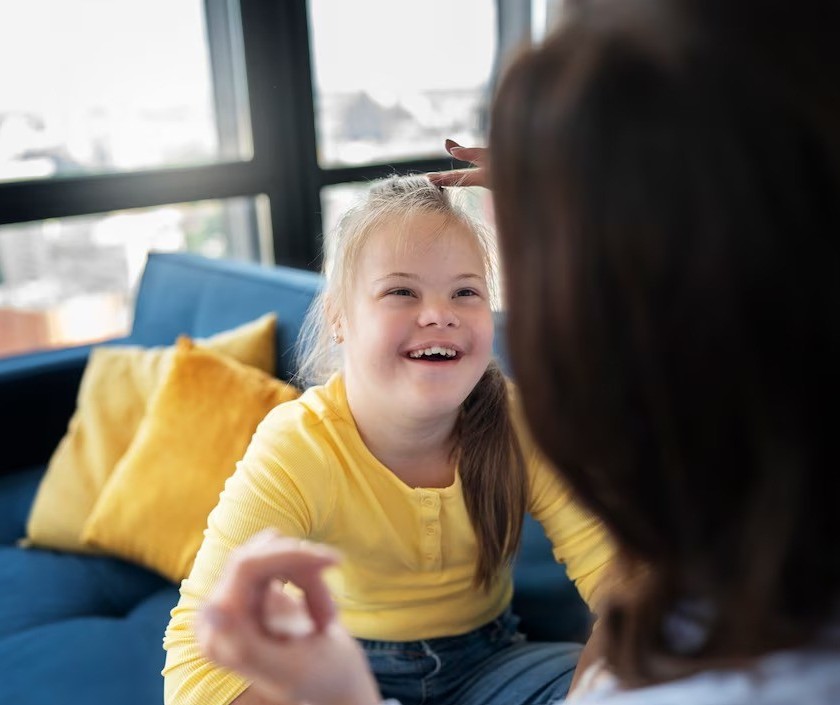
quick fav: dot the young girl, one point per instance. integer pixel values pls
(407, 459)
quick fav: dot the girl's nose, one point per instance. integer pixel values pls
(438, 314)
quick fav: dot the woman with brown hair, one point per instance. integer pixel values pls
(666, 180)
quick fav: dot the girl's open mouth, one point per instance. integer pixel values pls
(434, 353)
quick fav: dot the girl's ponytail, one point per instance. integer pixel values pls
(493, 474)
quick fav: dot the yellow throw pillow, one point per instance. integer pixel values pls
(154, 509)
(114, 393)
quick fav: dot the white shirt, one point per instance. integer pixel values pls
(802, 677)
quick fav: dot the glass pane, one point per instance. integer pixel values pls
(103, 86)
(392, 80)
(70, 281)
(546, 15)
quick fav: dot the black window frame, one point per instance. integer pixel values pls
(277, 62)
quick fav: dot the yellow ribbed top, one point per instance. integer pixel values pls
(408, 553)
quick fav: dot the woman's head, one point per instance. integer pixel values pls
(667, 191)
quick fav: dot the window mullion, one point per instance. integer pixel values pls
(283, 124)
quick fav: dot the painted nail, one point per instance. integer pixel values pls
(451, 144)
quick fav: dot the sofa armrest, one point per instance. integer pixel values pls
(37, 398)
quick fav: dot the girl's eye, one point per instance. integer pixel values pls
(401, 292)
(466, 292)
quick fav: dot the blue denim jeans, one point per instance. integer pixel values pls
(491, 665)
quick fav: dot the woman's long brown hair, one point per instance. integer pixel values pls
(667, 188)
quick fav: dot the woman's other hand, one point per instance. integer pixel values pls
(291, 648)
(475, 176)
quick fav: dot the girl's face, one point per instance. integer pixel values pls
(418, 329)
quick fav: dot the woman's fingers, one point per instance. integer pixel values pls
(474, 155)
(284, 615)
(477, 176)
(242, 646)
(289, 646)
(459, 177)
(255, 565)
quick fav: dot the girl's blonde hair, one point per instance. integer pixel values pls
(487, 450)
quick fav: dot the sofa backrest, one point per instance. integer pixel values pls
(182, 293)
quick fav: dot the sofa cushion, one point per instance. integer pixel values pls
(154, 508)
(93, 660)
(113, 397)
(17, 490)
(40, 587)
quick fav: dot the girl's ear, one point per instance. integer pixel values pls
(334, 318)
(338, 328)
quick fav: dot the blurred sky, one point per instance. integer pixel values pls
(380, 44)
(59, 52)
(123, 52)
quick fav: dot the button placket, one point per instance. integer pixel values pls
(430, 530)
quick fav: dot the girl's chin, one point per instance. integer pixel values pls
(435, 402)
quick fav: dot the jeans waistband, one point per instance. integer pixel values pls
(505, 620)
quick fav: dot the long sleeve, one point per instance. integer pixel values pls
(578, 538)
(261, 493)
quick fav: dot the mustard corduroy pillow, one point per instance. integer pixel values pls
(154, 509)
(113, 396)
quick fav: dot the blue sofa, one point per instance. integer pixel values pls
(87, 630)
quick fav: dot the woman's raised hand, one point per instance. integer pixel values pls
(475, 176)
(291, 648)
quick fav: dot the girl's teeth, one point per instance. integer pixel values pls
(434, 350)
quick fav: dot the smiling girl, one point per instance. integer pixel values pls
(406, 456)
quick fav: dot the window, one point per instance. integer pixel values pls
(69, 281)
(388, 93)
(545, 14)
(123, 130)
(209, 111)
(391, 88)
(104, 87)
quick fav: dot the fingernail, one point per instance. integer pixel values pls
(451, 144)
(297, 625)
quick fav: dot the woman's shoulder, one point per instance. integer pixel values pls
(785, 678)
